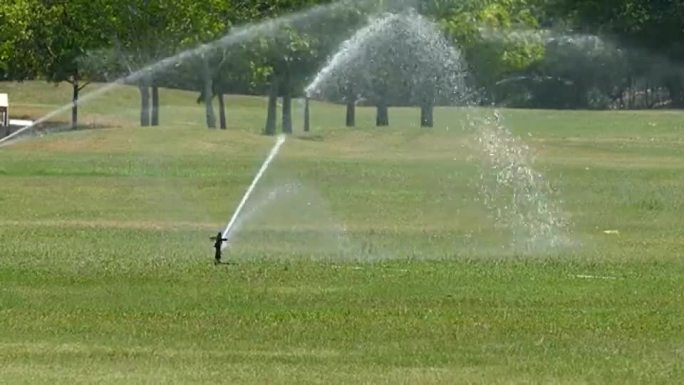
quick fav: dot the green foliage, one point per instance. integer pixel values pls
(489, 60)
(16, 60)
(63, 32)
(99, 40)
(652, 30)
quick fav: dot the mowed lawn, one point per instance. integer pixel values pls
(366, 256)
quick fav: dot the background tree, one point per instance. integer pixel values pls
(18, 56)
(141, 35)
(58, 35)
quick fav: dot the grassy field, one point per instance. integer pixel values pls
(367, 256)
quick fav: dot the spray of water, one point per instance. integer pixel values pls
(262, 170)
(537, 79)
(587, 42)
(236, 36)
(397, 58)
(350, 50)
(519, 196)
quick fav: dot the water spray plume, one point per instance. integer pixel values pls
(520, 196)
(349, 51)
(250, 190)
(237, 35)
(402, 45)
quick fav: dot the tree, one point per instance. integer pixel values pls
(18, 59)
(59, 35)
(652, 30)
(207, 21)
(285, 58)
(296, 56)
(141, 36)
(146, 31)
(231, 76)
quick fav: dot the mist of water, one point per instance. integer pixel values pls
(291, 219)
(540, 78)
(586, 42)
(259, 204)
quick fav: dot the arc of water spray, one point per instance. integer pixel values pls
(237, 35)
(245, 198)
(350, 50)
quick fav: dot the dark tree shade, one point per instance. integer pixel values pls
(382, 116)
(426, 115)
(155, 106)
(222, 111)
(144, 105)
(270, 128)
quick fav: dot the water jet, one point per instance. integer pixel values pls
(227, 232)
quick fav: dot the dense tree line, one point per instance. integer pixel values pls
(521, 53)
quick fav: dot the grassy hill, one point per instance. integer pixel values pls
(367, 255)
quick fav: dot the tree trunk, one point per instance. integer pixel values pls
(674, 87)
(661, 98)
(287, 112)
(222, 111)
(144, 105)
(307, 121)
(74, 105)
(272, 106)
(287, 104)
(208, 94)
(351, 108)
(382, 116)
(351, 113)
(155, 105)
(427, 115)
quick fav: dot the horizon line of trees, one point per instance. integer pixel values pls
(574, 54)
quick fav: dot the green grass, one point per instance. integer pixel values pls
(376, 262)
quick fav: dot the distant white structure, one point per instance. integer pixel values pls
(20, 122)
(4, 113)
(7, 124)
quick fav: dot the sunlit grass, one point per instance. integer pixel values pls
(366, 256)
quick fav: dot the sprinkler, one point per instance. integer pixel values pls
(220, 238)
(218, 244)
